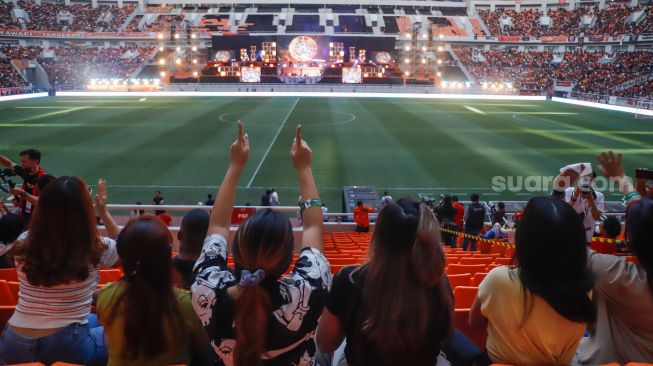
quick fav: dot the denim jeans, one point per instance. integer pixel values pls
(77, 343)
(467, 240)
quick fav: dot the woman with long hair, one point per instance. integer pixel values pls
(537, 310)
(146, 320)
(623, 291)
(257, 314)
(57, 262)
(397, 308)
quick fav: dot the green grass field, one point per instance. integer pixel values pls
(180, 145)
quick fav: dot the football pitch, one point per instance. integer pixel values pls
(179, 145)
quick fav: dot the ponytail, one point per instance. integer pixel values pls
(262, 251)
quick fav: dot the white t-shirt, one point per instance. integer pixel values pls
(385, 200)
(543, 338)
(582, 206)
(274, 199)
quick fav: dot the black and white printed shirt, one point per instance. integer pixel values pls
(297, 299)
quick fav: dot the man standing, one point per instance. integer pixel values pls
(387, 198)
(460, 211)
(474, 219)
(274, 198)
(582, 198)
(30, 171)
(209, 201)
(158, 200)
(586, 202)
(362, 217)
(265, 199)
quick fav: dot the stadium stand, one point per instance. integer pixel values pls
(76, 17)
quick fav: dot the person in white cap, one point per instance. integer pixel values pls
(582, 197)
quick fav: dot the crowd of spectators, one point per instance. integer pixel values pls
(9, 76)
(590, 72)
(161, 23)
(528, 70)
(73, 65)
(6, 20)
(85, 18)
(611, 21)
(598, 78)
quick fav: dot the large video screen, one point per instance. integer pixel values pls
(250, 74)
(306, 49)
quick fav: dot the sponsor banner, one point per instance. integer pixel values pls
(509, 38)
(240, 214)
(564, 83)
(69, 35)
(547, 39)
(648, 37)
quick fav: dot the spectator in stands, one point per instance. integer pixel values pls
(274, 198)
(396, 309)
(209, 200)
(158, 200)
(610, 229)
(499, 214)
(146, 320)
(191, 237)
(257, 311)
(446, 213)
(623, 292)
(362, 217)
(460, 211)
(11, 226)
(536, 312)
(62, 249)
(30, 171)
(325, 211)
(386, 199)
(265, 199)
(495, 233)
(33, 199)
(587, 202)
(474, 220)
(645, 187)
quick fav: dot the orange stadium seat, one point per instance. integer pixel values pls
(476, 260)
(462, 279)
(478, 278)
(465, 268)
(6, 311)
(6, 296)
(14, 287)
(461, 322)
(464, 296)
(110, 275)
(504, 261)
(9, 274)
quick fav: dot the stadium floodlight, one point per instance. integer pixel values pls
(423, 48)
(194, 48)
(193, 35)
(194, 61)
(407, 61)
(407, 73)
(408, 36)
(423, 60)
(441, 36)
(509, 85)
(146, 82)
(439, 62)
(162, 61)
(342, 53)
(176, 36)
(440, 48)
(178, 61)
(439, 74)
(161, 49)
(484, 85)
(444, 83)
(468, 84)
(160, 36)
(274, 44)
(93, 81)
(425, 36)
(223, 73)
(194, 73)
(380, 74)
(163, 74)
(178, 49)
(156, 81)
(407, 47)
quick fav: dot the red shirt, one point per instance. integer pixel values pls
(460, 213)
(362, 215)
(30, 185)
